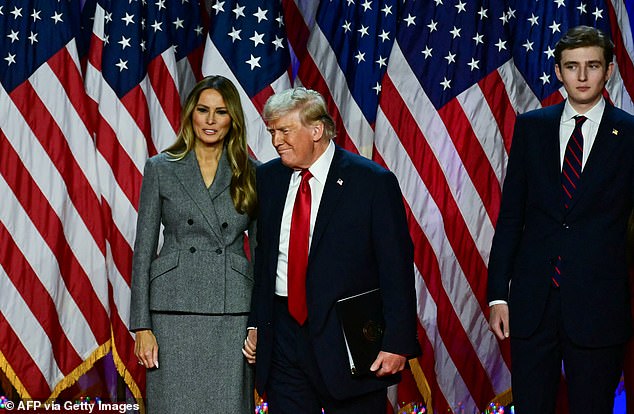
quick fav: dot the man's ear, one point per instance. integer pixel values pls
(558, 72)
(609, 71)
(317, 131)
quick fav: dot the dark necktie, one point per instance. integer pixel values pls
(570, 176)
(571, 170)
(298, 250)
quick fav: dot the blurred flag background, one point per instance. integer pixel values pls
(429, 89)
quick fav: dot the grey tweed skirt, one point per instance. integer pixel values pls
(201, 366)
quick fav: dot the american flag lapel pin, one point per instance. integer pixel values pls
(615, 131)
(340, 181)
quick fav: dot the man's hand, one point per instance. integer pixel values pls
(499, 320)
(250, 343)
(146, 348)
(387, 363)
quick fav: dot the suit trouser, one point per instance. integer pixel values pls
(592, 374)
(295, 384)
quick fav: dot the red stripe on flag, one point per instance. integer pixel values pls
(195, 61)
(298, 37)
(51, 229)
(431, 173)
(473, 157)
(626, 67)
(494, 91)
(260, 98)
(165, 90)
(123, 168)
(68, 74)
(136, 104)
(121, 250)
(124, 348)
(95, 52)
(21, 362)
(449, 326)
(56, 146)
(39, 301)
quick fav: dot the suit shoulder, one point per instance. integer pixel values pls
(159, 159)
(538, 114)
(622, 116)
(268, 166)
(361, 164)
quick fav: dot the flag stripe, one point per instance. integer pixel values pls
(17, 355)
(501, 109)
(474, 160)
(38, 300)
(618, 14)
(52, 230)
(460, 337)
(166, 92)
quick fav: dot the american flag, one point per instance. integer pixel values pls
(53, 288)
(428, 88)
(247, 44)
(143, 59)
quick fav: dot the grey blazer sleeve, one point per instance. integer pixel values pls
(145, 247)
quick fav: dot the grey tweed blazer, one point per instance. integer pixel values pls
(201, 267)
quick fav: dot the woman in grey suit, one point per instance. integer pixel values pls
(190, 301)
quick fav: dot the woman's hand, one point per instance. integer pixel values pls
(146, 348)
(250, 343)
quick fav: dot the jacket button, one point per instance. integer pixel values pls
(565, 225)
(192, 249)
(190, 222)
(225, 225)
(219, 251)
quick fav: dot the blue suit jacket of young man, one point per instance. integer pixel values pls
(360, 242)
(534, 228)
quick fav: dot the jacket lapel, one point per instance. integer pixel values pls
(333, 189)
(222, 180)
(188, 173)
(605, 143)
(272, 189)
(551, 153)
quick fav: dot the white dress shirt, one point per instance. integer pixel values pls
(588, 129)
(319, 170)
(566, 126)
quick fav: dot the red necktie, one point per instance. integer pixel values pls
(298, 251)
(570, 176)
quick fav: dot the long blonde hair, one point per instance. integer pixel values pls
(242, 170)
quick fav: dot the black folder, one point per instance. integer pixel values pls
(361, 318)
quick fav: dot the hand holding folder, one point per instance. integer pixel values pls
(362, 322)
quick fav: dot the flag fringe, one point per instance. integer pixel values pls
(12, 377)
(127, 377)
(84, 367)
(64, 383)
(504, 398)
(421, 383)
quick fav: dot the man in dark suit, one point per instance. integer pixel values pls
(558, 280)
(356, 239)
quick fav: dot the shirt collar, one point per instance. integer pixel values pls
(594, 114)
(321, 166)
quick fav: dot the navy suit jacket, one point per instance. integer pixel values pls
(360, 242)
(534, 228)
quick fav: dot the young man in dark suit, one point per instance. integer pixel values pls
(355, 239)
(558, 280)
